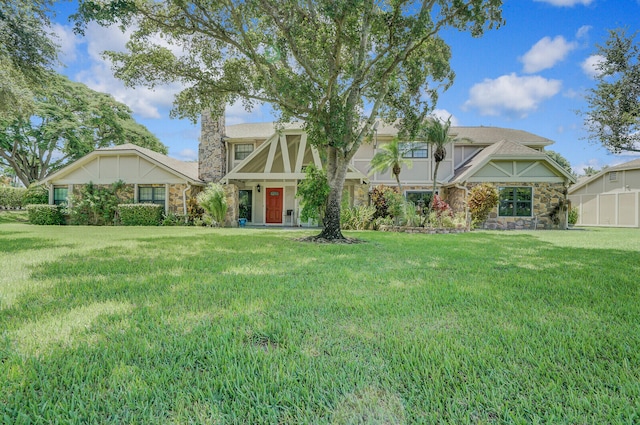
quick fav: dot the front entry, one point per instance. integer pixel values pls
(274, 205)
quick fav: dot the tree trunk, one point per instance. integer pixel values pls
(336, 174)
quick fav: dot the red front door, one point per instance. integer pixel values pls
(274, 205)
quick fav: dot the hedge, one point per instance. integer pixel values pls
(140, 214)
(45, 214)
(11, 197)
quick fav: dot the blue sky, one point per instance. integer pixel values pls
(531, 74)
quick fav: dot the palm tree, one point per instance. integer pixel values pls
(436, 133)
(391, 156)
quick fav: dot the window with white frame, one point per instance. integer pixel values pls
(242, 150)
(515, 202)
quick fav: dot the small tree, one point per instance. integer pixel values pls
(392, 156)
(436, 133)
(481, 200)
(214, 201)
(313, 191)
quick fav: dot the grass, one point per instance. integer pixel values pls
(220, 326)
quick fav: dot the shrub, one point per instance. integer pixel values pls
(357, 218)
(573, 216)
(173, 219)
(11, 197)
(140, 214)
(45, 214)
(213, 200)
(35, 194)
(97, 205)
(411, 216)
(387, 201)
(481, 200)
(314, 192)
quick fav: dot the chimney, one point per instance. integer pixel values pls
(212, 152)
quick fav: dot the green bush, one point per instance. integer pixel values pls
(573, 215)
(214, 201)
(387, 201)
(314, 192)
(481, 200)
(45, 214)
(96, 205)
(11, 197)
(357, 218)
(140, 214)
(35, 194)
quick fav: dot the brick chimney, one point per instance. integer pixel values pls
(212, 152)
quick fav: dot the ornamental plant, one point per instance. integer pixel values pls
(314, 192)
(213, 200)
(481, 200)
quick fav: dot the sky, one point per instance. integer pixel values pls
(531, 74)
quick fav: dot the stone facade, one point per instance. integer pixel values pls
(549, 207)
(231, 220)
(212, 152)
(360, 194)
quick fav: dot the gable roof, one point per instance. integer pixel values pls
(505, 149)
(186, 170)
(631, 165)
(467, 135)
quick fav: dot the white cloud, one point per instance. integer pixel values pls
(142, 101)
(566, 3)
(583, 31)
(443, 114)
(511, 94)
(590, 65)
(546, 53)
(187, 155)
(68, 42)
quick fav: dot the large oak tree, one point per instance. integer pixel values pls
(68, 120)
(336, 65)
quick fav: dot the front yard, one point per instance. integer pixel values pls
(175, 325)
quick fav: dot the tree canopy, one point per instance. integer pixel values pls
(68, 121)
(27, 53)
(561, 161)
(613, 115)
(336, 65)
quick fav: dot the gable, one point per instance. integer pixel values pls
(516, 171)
(105, 169)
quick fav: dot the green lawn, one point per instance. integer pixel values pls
(216, 326)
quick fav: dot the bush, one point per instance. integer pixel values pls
(45, 214)
(573, 216)
(481, 200)
(140, 214)
(411, 216)
(314, 192)
(35, 194)
(213, 200)
(357, 218)
(97, 205)
(11, 197)
(387, 201)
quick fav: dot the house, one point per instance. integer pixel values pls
(153, 177)
(260, 165)
(610, 198)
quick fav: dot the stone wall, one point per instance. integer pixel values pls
(360, 194)
(231, 219)
(549, 208)
(212, 152)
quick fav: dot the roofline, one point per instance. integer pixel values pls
(101, 152)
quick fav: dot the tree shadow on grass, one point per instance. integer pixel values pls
(12, 244)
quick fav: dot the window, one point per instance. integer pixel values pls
(613, 176)
(420, 199)
(244, 198)
(60, 195)
(151, 195)
(241, 151)
(515, 202)
(414, 150)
